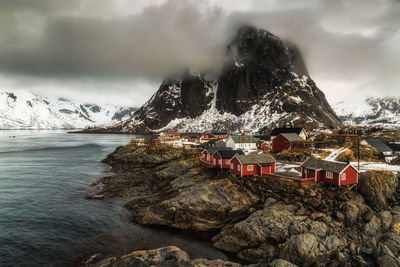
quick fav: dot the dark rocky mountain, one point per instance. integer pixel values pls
(264, 83)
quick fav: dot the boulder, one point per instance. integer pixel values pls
(170, 256)
(377, 187)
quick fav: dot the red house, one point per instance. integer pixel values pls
(207, 157)
(331, 172)
(191, 138)
(287, 141)
(253, 164)
(211, 136)
(262, 144)
(223, 157)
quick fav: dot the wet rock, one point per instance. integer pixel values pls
(167, 256)
(280, 263)
(377, 187)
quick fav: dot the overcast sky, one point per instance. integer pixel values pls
(118, 51)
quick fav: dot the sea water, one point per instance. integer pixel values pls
(45, 219)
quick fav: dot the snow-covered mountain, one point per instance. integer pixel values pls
(21, 109)
(376, 111)
(264, 83)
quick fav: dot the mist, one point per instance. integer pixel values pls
(120, 51)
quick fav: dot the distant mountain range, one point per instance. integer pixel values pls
(379, 112)
(263, 84)
(24, 110)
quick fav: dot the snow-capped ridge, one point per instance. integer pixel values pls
(20, 109)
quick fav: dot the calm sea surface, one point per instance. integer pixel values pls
(45, 219)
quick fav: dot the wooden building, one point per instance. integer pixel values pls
(331, 172)
(287, 141)
(242, 142)
(299, 131)
(253, 164)
(223, 157)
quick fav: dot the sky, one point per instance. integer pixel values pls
(119, 51)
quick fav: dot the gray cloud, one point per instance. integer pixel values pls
(347, 44)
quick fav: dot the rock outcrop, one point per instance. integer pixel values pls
(257, 219)
(377, 187)
(167, 256)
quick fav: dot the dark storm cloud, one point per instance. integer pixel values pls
(159, 40)
(351, 42)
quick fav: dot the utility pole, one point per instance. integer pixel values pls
(358, 152)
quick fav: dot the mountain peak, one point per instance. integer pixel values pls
(264, 83)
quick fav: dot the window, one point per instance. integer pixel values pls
(204, 155)
(329, 175)
(208, 157)
(250, 167)
(343, 176)
(238, 168)
(219, 162)
(215, 161)
(228, 161)
(232, 166)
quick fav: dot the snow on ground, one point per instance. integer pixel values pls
(377, 166)
(335, 153)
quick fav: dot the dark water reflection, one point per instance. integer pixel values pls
(45, 219)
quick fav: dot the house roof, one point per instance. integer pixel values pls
(263, 137)
(277, 131)
(394, 146)
(292, 136)
(379, 144)
(215, 141)
(211, 151)
(225, 154)
(220, 133)
(191, 136)
(331, 166)
(240, 139)
(255, 158)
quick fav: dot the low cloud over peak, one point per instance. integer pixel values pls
(353, 41)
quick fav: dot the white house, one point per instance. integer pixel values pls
(244, 142)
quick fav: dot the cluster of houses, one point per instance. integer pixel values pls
(240, 154)
(263, 164)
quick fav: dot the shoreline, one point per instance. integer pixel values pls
(278, 218)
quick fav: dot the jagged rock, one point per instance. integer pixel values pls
(354, 208)
(273, 224)
(386, 219)
(166, 256)
(388, 251)
(281, 263)
(377, 187)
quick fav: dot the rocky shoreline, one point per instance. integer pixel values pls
(258, 220)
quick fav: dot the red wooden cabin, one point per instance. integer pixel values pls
(211, 136)
(253, 164)
(287, 141)
(331, 172)
(207, 157)
(191, 138)
(223, 157)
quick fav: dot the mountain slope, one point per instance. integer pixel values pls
(378, 111)
(24, 110)
(264, 83)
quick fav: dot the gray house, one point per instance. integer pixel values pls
(379, 145)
